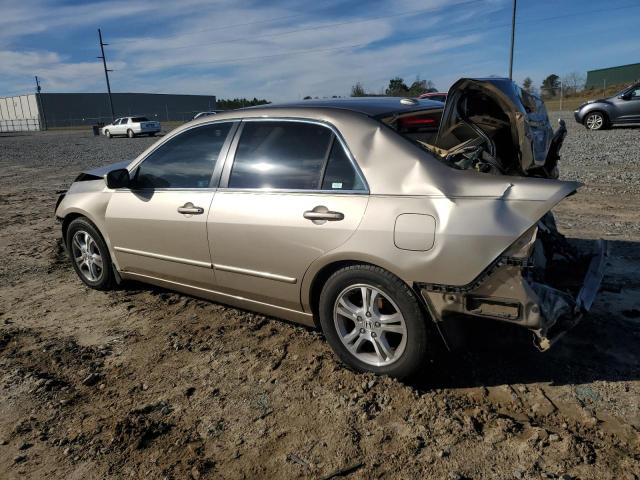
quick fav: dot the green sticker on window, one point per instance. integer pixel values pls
(336, 185)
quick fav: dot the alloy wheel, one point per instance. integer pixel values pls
(370, 325)
(87, 256)
(595, 121)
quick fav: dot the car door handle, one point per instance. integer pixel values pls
(190, 209)
(328, 215)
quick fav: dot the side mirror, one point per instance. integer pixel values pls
(118, 178)
(625, 96)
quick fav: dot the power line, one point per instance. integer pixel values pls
(346, 47)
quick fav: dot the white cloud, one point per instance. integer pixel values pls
(236, 48)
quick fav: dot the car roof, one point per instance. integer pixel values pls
(376, 107)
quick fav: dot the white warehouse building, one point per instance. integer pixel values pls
(20, 113)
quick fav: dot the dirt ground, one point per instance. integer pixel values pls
(142, 382)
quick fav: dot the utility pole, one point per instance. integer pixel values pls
(513, 37)
(106, 73)
(43, 118)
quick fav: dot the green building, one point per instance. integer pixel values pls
(613, 75)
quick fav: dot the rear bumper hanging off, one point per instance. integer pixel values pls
(504, 292)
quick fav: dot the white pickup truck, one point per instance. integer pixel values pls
(131, 126)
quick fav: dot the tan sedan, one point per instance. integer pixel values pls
(351, 215)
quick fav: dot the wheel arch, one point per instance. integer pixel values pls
(317, 275)
(601, 109)
(75, 213)
(66, 221)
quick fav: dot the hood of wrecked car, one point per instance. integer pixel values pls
(513, 124)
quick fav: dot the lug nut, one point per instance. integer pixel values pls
(377, 324)
(368, 314)
(362, 330)
(373, 334)
(359, 319)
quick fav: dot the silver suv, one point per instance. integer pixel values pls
(623, 107)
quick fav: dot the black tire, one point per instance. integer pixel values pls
(596, 120)
(130, 133)
(105, 280)
(107, 133)
(414, 353)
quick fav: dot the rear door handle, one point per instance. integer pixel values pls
(323, 213)
(331, 216)
(190, 209)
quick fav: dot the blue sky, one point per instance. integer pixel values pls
(285, 49)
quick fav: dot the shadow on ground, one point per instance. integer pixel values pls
(604, 346)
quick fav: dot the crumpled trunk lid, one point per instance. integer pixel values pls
(510, 126)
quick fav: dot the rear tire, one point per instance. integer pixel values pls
(596, 121)
(373, 321)
(89, 254)
(130, 133)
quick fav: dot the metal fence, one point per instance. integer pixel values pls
(62, 121)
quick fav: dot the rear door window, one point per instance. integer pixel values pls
(185, 161)
(281, 155)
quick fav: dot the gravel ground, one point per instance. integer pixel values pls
(144, 382)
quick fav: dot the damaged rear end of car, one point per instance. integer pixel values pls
(541, 282)
(499, 139)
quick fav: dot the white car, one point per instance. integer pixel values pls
(131, 126)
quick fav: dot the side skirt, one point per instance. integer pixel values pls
(227, 299)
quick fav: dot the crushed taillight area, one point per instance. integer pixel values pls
(542, 282)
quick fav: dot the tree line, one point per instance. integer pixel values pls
(570, 83)
(233, 103)
(551, 86)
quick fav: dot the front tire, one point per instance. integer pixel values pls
(89, 254)
(130, 133)
(595, 121)
(373, 321)
(107, 133)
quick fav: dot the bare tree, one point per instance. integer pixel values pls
(573, 82)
